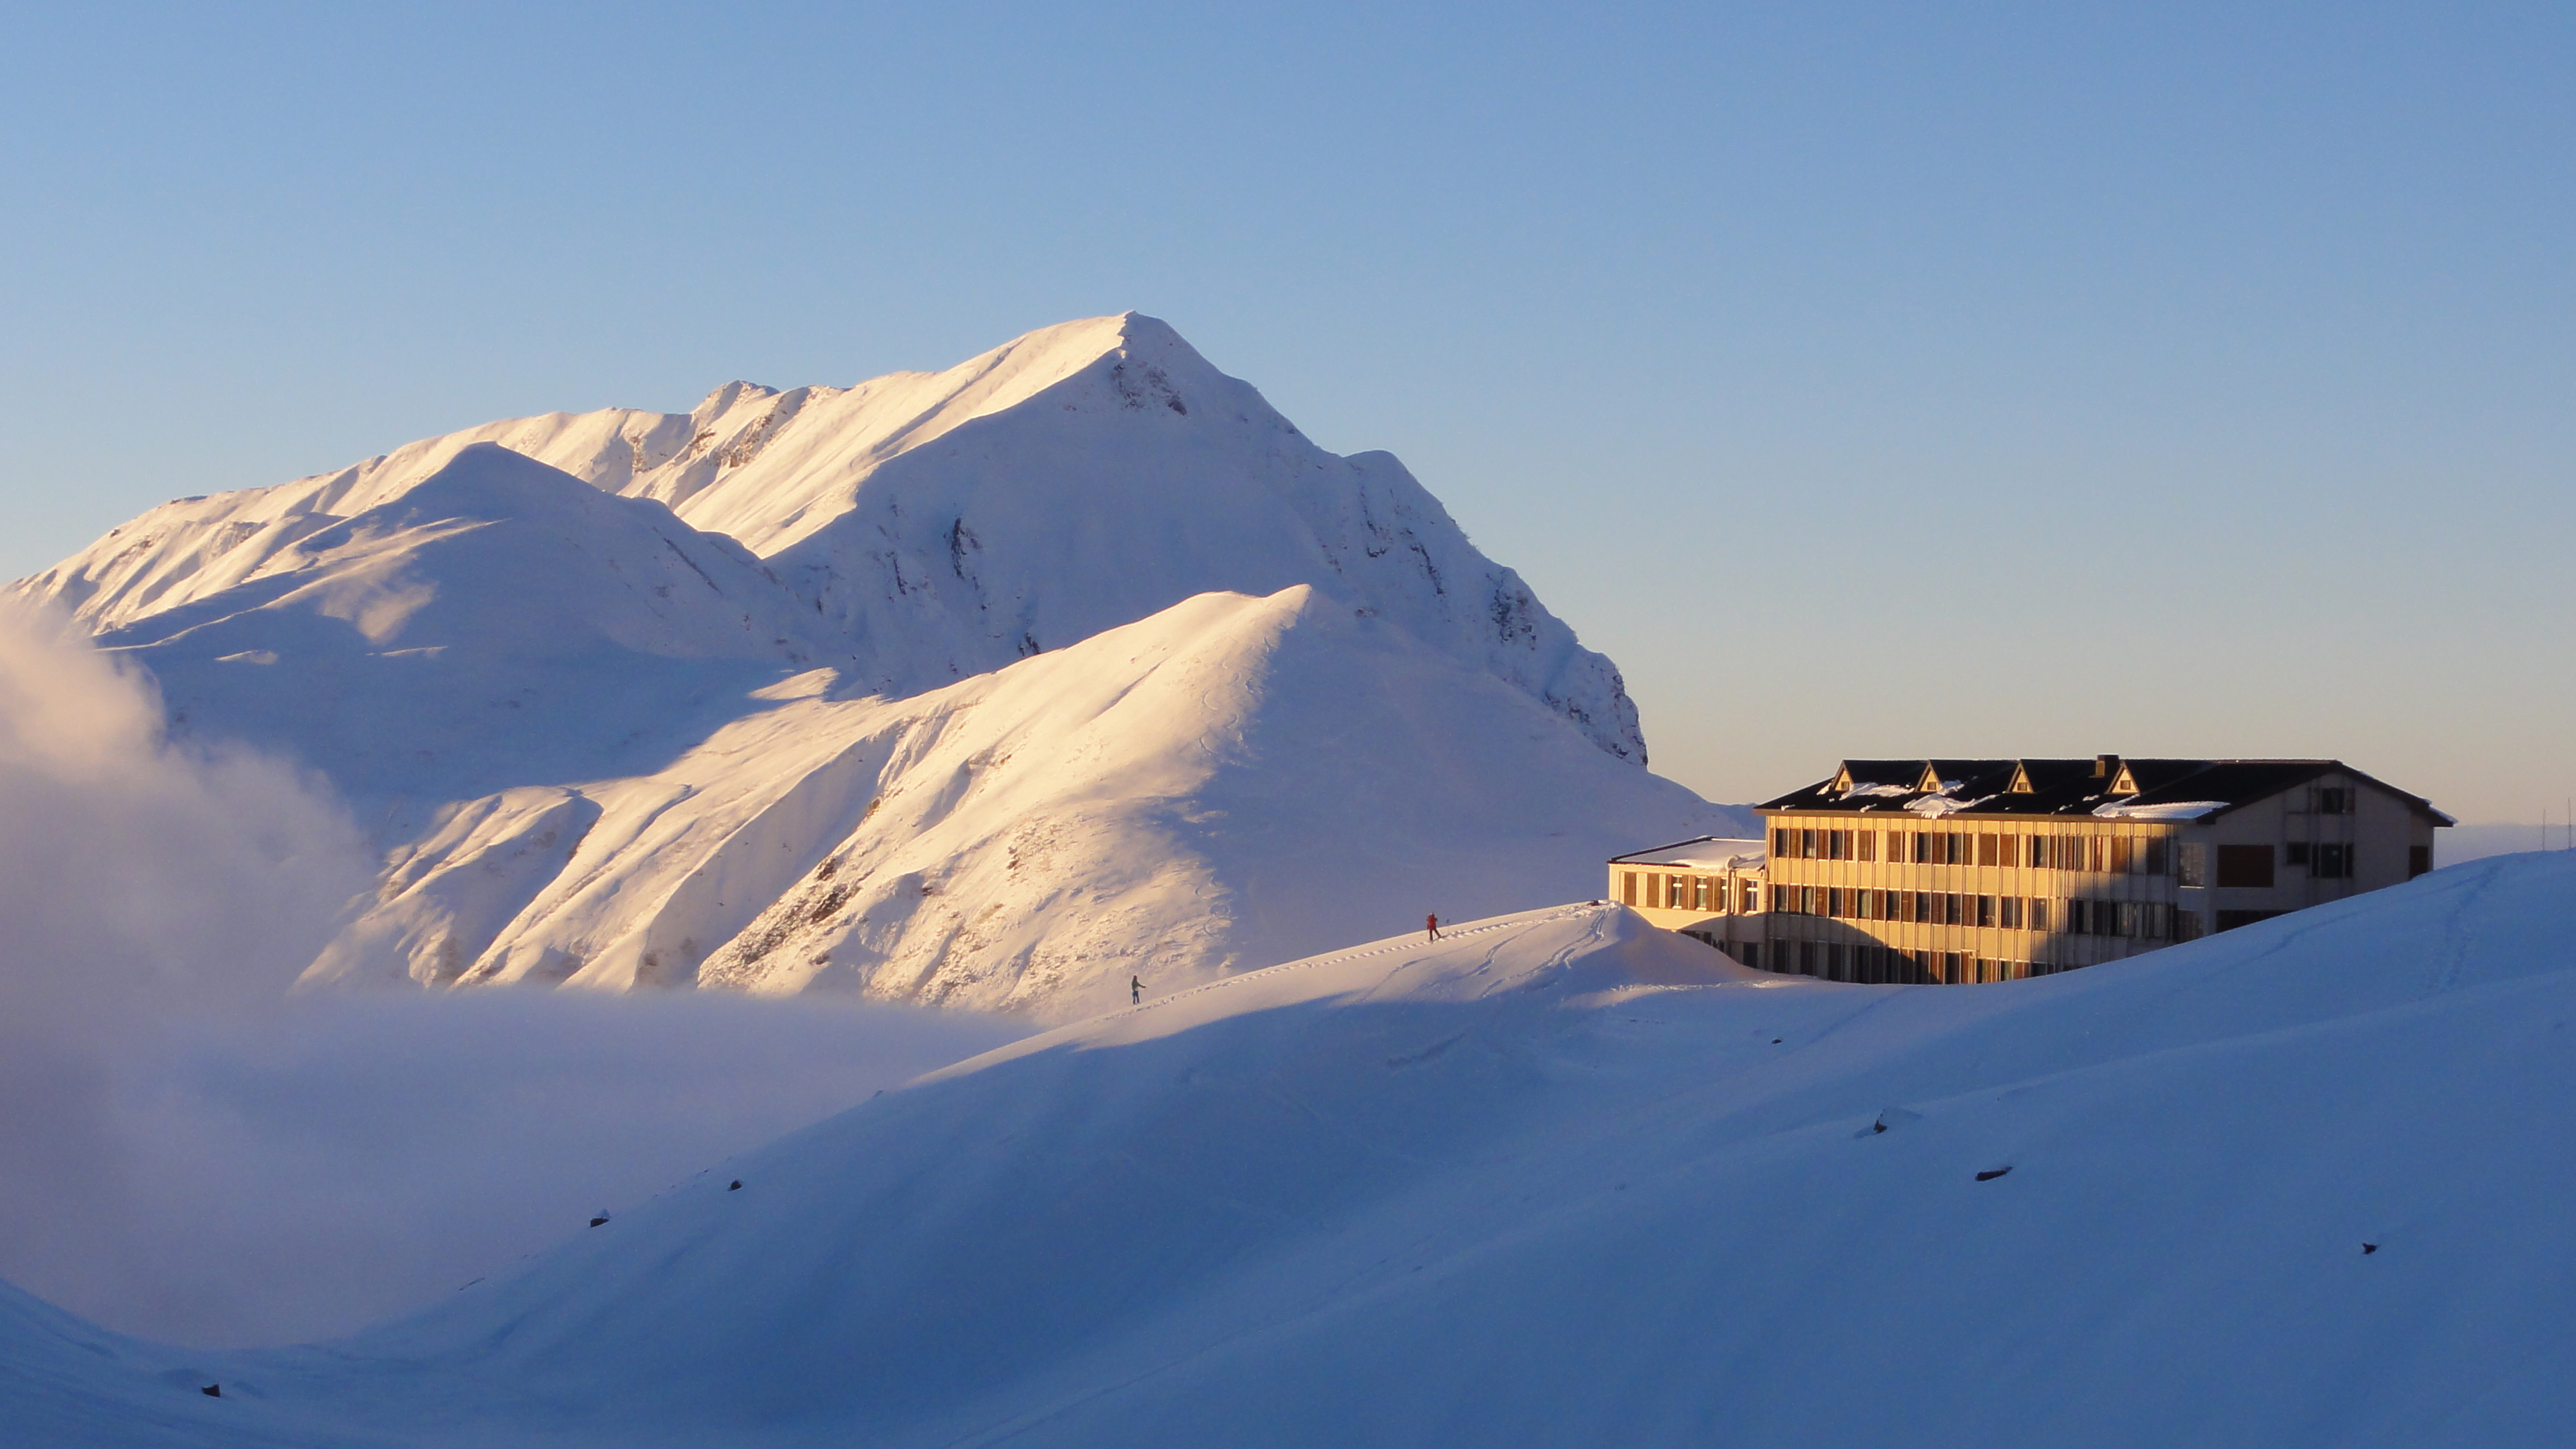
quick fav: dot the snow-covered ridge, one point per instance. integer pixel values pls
(936, 526)
(1233, 782)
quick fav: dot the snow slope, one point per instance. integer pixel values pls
(497, 623)
(1564, 1179)
(1230, 783)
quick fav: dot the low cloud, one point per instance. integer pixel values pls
(188, 1152)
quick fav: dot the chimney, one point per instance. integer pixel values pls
(2104, 766)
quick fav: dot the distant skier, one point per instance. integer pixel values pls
(1135, 990)
(1431, 925)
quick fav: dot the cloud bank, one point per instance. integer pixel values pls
(189, 1153)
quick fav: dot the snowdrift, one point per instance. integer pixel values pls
(1562, 1178)
(941, 688)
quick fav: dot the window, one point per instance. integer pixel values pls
(2123, 854)
(1838, 845)
(2130, 920)
(2009, 916)
(2335, 801)
(2188, 926)
(1954, 909)
(1627, 887)
(1834, 903)
(2334, 862)
(1810, 901)
(2245, 866)
(1987, 846)
(2191, 864)
(2419, 859)
(1783, 843)
(1806, 845)
(1779, 898)
(1869, 845)
(1749, 898)
(2039, 913)
(2159, 855)
(1954, 965)
(1986, 911)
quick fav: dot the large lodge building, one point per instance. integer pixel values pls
(1957, 871)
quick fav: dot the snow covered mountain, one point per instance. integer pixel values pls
(1084, 476)
(1564, 1179)
(992, 687)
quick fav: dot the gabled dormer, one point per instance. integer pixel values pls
(2021, 784)
(1930, 784)
(1843, 778)
(2124, 782)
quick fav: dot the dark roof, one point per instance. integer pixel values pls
(2067, 787)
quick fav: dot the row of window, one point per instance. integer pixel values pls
(1688, 893)
(2138, 920)
(2097, 854)
(1885, 965)
(2252, 865)
(2155, 855)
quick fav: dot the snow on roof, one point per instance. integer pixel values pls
(1708, 852)
(2167, 810)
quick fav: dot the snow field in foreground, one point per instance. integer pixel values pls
(1564, 1179)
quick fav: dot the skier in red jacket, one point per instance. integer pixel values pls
(1431, 924)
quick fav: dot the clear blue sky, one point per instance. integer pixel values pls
(1866, 379)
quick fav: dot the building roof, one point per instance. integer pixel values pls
(1701, 852)
(2106, 786)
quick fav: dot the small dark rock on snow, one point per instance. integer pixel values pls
(1991, 1173)
(212, 1391)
